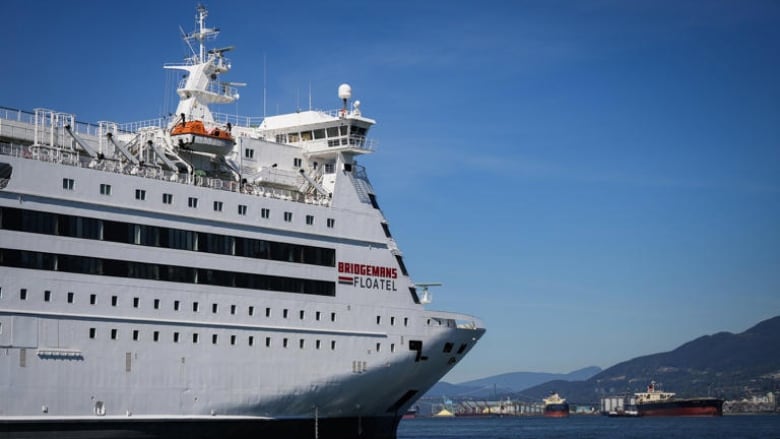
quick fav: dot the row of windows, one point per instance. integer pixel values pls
(153, 236)
(156, 303)
(192, 202)
(162, 272)
(195, 338)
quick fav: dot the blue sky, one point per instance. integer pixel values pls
(596, 180)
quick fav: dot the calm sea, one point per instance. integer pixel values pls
(587, 427)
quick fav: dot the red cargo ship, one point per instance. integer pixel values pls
(555, 406)
(658, 403)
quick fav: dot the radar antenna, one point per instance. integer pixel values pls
(427, 297)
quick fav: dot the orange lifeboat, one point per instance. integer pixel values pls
(193, 135)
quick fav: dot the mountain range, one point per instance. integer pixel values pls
(726, 365)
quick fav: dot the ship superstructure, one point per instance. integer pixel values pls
(205, 275)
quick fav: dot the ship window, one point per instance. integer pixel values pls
(156, 336)
(214, 338)
(378, 347)
(175, 337)
(268, 312)
(251, 340)
(156, 303)
(306, 136)
(167, 198)
(284, 343)
(392, 321)
(105, 189)
(333, 142)
(300, 343)
(343, 129)
(462, 348)
(192, 202)
(92, 332)
(175, 305)
(392, 347)
(447, 347)
(195, 337)
(140, 194)
(386, 228)
(297, 162)
(310, 220)
(319, 134)
(136, 302)
(135, 335)
(23, 294)
(113, 300)
(113, 334)
(92, 299)
(333, 131)
(317, 344)
(214, 308)
(333, 317)
(331, 222)
(378, 320)
(242, 209)
(232, 309)
(268, 342)
(317, 315)
(293, 137)
(330, 168)
(249, 153)
(333, 345)
(265, 213)
(217, 206)
(232, 340)
(302, 313)
(281, 138)
(251, 310)
(67, 184)
(406, 321)
(288, 216)
(374, 203)
(70, 297)
(194, 306)
(284, 313)
(47, 296)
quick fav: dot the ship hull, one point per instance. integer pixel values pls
(556, 410)
(326, 428)
(683, 407)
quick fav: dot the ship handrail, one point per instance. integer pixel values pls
(72, 159)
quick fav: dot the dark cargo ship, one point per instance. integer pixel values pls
(555, 406)
(659, 403)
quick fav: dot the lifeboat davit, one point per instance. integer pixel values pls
(193, 135)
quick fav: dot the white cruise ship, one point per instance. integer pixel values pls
(206, 276)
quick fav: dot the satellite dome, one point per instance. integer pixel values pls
(345, 91)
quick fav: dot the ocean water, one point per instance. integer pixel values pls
(592, 427)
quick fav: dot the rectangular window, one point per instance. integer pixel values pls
(67, 184)
(217, 206)
(214, 338)
(140, 194)
(317, 344)
(268, 342)
(331, 222)
(136, 302)
(317, 316)
(92, 332)
(156, 336)
(284, 313)
(214, 308)
(92, 299)
(47, 296)
(265, 213)
(301, 314)
(156, 303)
(105, 189)
(167, 198)
(175, 337)
(195, 337)
(135, 335)
(288, 216)
(310, 220)
(113, 334)
(268, 312)
(251, 310)
(232, 309)
(284, 343)
(114, 300)
(251, 340)
(300, 343)
(23, 294)
(192, 202)
(232, 340)
(333, 317)
(249, 153)
(194, 306)
(297, 162)
(70, 297)
(175, 305)
(333, 345)
(241, 209)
